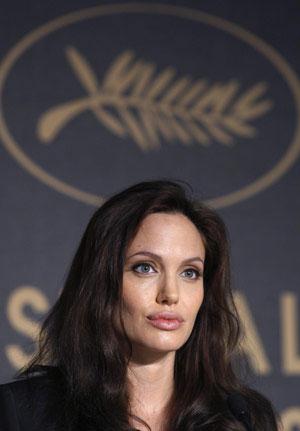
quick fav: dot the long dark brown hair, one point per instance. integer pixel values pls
(80, 339)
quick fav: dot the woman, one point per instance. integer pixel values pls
(145, 331)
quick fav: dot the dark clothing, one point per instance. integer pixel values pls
(32, 404)
(37, 403)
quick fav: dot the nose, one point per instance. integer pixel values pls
(168, 292)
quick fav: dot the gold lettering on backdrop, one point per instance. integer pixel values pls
(148, 105)
(291, 418)
(19, 298)
(251, 344)
(290, 333)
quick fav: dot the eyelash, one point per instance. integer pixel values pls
(198, 273)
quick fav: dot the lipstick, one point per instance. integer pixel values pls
(165, 320)
(165, 324)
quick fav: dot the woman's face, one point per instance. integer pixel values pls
(163, 273)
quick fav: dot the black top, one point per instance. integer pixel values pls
(31, 404)
(37, 404)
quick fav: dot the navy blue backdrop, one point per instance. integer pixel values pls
(95, 96)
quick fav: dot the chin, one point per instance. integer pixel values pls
(162, 347)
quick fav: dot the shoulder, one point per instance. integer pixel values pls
(30, 402)
(263, 414)
(43, 381)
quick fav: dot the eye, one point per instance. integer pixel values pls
(192, 273)
(145, 268)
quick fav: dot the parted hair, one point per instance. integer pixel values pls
(80, 338)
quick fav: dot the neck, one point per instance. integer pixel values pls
(150, 384)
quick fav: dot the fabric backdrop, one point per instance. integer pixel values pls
(95, 96)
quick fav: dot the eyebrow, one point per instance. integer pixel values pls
(156, 256)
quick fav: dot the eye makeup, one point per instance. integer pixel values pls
(198, 273)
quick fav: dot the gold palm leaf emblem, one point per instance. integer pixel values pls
(135, 100)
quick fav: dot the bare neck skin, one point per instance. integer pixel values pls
(150, 385)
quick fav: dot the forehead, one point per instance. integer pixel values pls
(164, 230)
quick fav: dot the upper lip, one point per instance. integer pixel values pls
(167, 315)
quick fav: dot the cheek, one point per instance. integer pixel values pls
(129, 297)
(195, 300)
(137, 295)
(134, 302)
(130, 306)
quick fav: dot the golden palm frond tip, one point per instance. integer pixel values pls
(134, 100)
